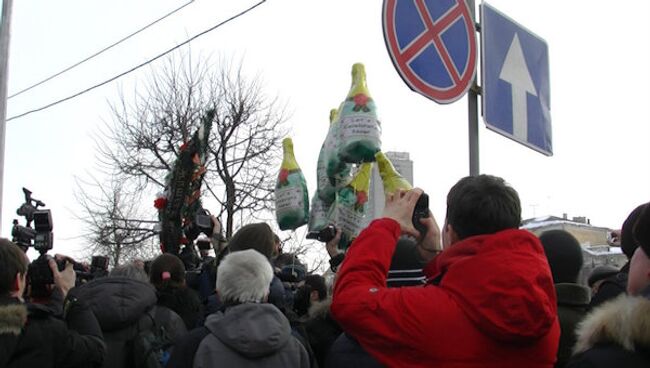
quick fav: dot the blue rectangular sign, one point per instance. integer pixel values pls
(515, 81)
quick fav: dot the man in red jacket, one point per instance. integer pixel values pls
(490, 301)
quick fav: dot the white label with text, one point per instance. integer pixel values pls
(359, 127)
(288, 199)
(349, 220)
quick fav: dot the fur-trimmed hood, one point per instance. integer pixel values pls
(624, 321)
(13, 316)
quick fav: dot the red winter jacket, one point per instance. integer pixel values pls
(495, 305)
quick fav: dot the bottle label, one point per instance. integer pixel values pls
(349, 220)
(360, 126)
(288, 199)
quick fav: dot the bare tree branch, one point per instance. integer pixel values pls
(108, 214)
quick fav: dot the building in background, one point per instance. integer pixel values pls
(594, 240)
(376, 197)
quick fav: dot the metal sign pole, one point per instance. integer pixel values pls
(472, 114)
(4, 66)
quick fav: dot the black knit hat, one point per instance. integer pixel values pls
(564, 255)
(628, 242)
(317, 283)
(642, 229)
(258, 236)
(600, 273)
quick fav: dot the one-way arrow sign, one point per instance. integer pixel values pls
(515, 74)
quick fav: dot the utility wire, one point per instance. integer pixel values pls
(137, 66)
(100, 51)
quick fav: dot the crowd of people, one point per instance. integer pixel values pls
(474, 292)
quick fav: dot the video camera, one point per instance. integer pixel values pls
(201, 223)
(98, 268)
(324, 235)
(40, 237)
(41, 234)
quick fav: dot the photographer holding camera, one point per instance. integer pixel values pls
(489, 300)
(30, 334)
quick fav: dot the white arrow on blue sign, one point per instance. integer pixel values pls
(515, 81)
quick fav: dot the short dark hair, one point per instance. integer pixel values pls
(257, 236)
(482, 204)
(12, 262)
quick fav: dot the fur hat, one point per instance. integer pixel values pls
(642, 229)
(244, 276)
(628, 242)
(564, 255)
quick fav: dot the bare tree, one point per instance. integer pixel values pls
(141, 143)
(113, 222)
(311, 252)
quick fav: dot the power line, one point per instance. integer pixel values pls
(100, 51)
(137, 66)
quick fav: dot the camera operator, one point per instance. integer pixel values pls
(31, 335)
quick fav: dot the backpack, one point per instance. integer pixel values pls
(150, 348)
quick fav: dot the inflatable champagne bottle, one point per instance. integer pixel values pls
(326, 187)
(338, 171)
(351, 205)
(291, 197)
(359, 131)
(318, 214)
(393, 181)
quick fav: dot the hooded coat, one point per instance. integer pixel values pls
(322, 330)
(250, 335)
(616, 334)
(121, 306)
(30, 336)
(494, 304)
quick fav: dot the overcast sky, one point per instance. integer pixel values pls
(304, 50)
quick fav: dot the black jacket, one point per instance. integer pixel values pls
(185, 302)
(572, 306)
(611, 287)
(347, 353)
(615, 335)
(121, 306)
(322, 330)
(30, 336)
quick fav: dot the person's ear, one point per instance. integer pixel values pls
(18, 280)
(449, 236)
(19, 284)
